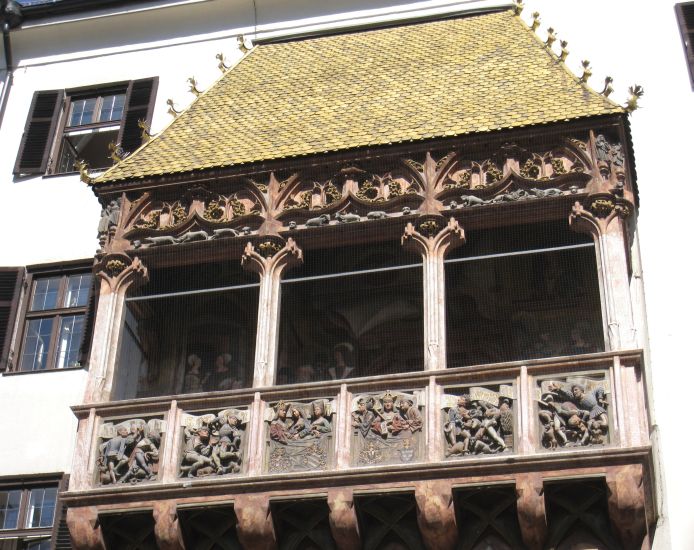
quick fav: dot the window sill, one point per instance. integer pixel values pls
(22, 372)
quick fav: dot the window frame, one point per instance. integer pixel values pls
(23, 534)
(56, 314)
(685, 31)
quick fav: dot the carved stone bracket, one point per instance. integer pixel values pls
(598, 211)
(166, 527)
(255, 529)
(531, 510)
(343, 519)
(119, 271)
(271, 255)
(626, 504)
(429, 236)
(85, 531)
(436, 514)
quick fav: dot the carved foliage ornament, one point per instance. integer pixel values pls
(300, 436)
(129, 451)
(479, 421)
(387, 428)
(214, 443)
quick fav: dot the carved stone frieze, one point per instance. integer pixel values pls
(214, 444)
(478, 421)
(573, 412)
(387, 428)
(300, 436)
(129, 451)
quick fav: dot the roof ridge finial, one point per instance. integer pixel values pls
(116, 152)
(145, 134)
(172, 110)
(518, 7)
(222, 66)
(244, 44)
(608, 89)
(564, 51)
(536, 21)
(635, 92)
(83, 168)
(193, 86)
(551, 37)
(586, 71)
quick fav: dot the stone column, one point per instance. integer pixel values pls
(166, 527)
(269, 259)
(531, 510)
(117, 272)
(429, 237)
(85, 531)
(436, 514)
(254, 528)
(626, 505)
(343, 519)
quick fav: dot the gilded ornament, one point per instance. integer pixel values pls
(115, 267)
(214, 212)
(530, 170)
(332, 193)
(635, 92)
(368, 192)
(394, 188)
(586, 71)
(429, 228)
(304, 201)
(269, 248)
(602, 207)
(557, 166)
(536, 21)
(493, 174)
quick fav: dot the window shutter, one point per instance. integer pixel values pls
(60, 538)
(39, 132)
(139, 104)
(86, 344)
(685, 18)
(10, 286)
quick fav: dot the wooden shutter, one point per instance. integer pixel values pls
(92, 303)
(139, 104)
(685, 18)
(39, 132)
(10, 286)
(60, 537)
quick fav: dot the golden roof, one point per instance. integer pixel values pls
(377, 87)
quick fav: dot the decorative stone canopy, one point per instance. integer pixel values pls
(340, 92)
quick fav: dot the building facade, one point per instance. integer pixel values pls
(377, 285)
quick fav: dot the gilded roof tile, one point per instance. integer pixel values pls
(397, 84)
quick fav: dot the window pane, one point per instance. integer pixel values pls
(70, 338)
(9, 508)
(43, 544)
(37, 342)
(112, 108)
(77, 290)
(45, 294)
(41, 507)
(82, 111)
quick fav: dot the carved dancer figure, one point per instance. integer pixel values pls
(198, 452)
(115, 453)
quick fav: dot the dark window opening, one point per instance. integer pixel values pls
(303, 525)
(520, 293)
(212, 528)
(388, 522)
(685, 19)
(351, 311)
(132, 531)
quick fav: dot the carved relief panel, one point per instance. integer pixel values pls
(129, 451)
(214, 444)
(573, 412)
(387, 428)
(478, 420)
(300, 436)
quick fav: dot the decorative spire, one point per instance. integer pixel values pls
(193, 86)
(83, 168)
(635, 92)
(145, 135)
(586, 71)
(115, 152)
(222, 66)
(536, 21)
(172, 110)
(551, 37)
(608, 89)
(564, 51)
(244, 44)
(518, 7)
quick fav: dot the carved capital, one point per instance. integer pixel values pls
(270, 254)
(85, 531)
(430, 235)
(596, 213)
(254, 529)
(626, 504)
(343, 519)
(166, 528)
(436, 514)
(531, 510)
(120, 271)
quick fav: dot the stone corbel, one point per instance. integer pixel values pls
(598, 211)
(119, 272)
(254, 528)
(269, 258)
(166, 527)
(626, 505)
(431, 237)
(436, 514)
(343, 519)
(85, 531)
(531, 510)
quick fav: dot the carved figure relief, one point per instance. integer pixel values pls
(479, 421)
(129, 451)
(573, 412)
(214, 443)
(387, 428)
(300, 436)
(108, 221)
